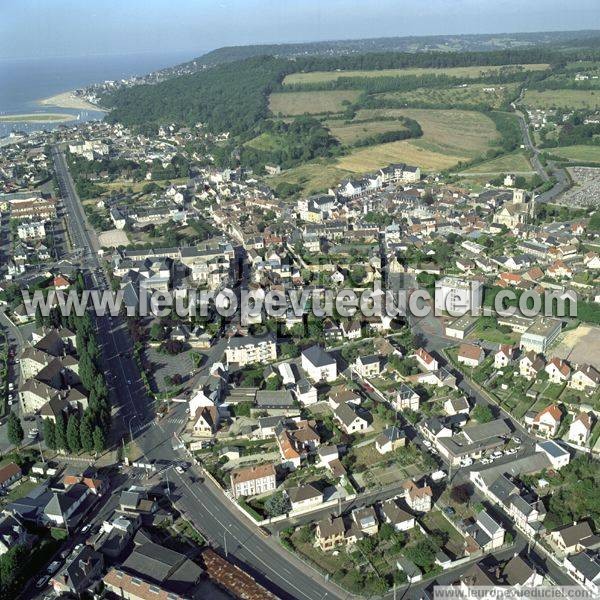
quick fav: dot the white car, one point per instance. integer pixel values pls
(466, 462)
(179, 470)
(496, 454)
(427, 443)
(511, 451)
(486, 461)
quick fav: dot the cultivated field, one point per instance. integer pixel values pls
(314, 103)
(516, 162)
(313, 177)
(575, 99)
(494, 95)
(465, 72)
(449, 136)
(584, 154)
(350, 133)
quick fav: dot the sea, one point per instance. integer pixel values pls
(26, 81)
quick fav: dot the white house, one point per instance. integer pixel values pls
(470, 355)
(319, 365)
(557, 455)
(503, 356)
(425, 360)
(404, 397)
(558, 370)
(580, 429)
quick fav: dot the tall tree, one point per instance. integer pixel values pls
(61, 433)
(49, 433)
(99, 440)
(73, 439)
(87, 434)
(15, 430)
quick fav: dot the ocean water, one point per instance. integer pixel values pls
(23, 82)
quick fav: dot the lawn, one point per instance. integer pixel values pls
(492, 335)
(515, 162)
(493, 95)
(314, 103)
(350, 133)
(449, 136)
(581, 153)
(464, 72)
(435, 521)
(572, 99)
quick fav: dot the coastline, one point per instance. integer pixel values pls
(68, 100)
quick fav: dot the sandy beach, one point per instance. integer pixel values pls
(68, 100)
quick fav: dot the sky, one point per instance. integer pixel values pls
(44, 28)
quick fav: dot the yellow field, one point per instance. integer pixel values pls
(449, 136)
(349, 133)
(314, 103)
(468, 72)
(575, 99)
(374, 157)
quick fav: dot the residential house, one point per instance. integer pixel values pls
(404, 397)
(390, 439)
(330, 532)
(581, 427)
(531, 365)
(503, 356)
(585, 378)
(305, 392)
(558, 370)
(368, 366)
(206, 421)
(81, 573)
(418, 498)
(304, 496)
(366, 520)
(396, 516)
(349, 420)
(13, 533)
(9, 474)
(425, 360)
(319, 365)
(487, 533)
(470, 355)
(571, 539)
(585, 568)
(547, 421)
(250, 481)
(457, 406)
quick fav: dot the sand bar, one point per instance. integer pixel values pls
(69, 100)
(38, 117)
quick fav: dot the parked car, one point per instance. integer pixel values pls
(496, 454)
(42, 582)
(427, 443)
(466, 462)
(511, 451)
(486, 461)
(449, 511)
(53, 567)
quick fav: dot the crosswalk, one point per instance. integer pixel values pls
(177, 420)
